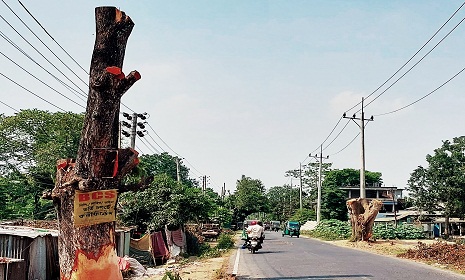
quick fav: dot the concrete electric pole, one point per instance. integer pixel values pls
(133, 126)
(362, 153)
(178, 170)
(300, 189)
(320, 160)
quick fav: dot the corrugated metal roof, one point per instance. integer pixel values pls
(27, 231)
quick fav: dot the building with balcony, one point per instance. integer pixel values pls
(391, 196)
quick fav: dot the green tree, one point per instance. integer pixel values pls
(351, 177)
(333, 199)
(164, 163)
(441, 185)
(165, 202)
(249, 198)
(30, 144)
(283, 202)
(278, 200)
(310, 177)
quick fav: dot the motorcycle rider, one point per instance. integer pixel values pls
(255, 230)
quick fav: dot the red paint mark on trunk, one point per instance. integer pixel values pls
(100, 266)
(114, 70)
(137, 76)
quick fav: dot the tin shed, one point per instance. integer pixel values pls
(37, 247)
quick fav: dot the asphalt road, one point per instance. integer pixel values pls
(287, 258)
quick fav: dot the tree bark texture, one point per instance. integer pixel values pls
(88, 252)
(362, 217)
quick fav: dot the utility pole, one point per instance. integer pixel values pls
(204, 183)
(300, 190)
(223, 192)
(290, 198)
(393, 194)
(178, 175)
(362, 153)
(318, 203)
(133, 126)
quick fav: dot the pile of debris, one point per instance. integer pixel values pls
(443, 253)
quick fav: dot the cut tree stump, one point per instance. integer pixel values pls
(362, 217)
(88, 251)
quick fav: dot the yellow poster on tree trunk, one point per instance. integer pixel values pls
(91, 208)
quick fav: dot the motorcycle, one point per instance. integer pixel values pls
(253, 244)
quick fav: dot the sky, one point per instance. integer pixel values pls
(253, 87)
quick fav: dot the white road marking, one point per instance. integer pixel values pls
(236, 262)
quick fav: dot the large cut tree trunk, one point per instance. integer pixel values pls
(362, 217)
(87, 251)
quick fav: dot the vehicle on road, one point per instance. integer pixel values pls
(292, 228)
(253, 244)
(275, 225)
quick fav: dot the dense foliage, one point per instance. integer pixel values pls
(165, 202)
(283, 202)
(331, 230)
(225, 241)
(403, 231)
(248, 198)
(441, 185)
(333, 199)
(30, 144)
(303, 215)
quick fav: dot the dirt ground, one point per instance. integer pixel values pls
(440, 254)
(215, 268)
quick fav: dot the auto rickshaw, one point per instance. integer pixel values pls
(292, 228)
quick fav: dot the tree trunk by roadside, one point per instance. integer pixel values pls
(446, 227)
(87, 251)
(362, 217)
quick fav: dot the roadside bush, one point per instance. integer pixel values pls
(303, 215)
(403, 231)
(225, 241)
(331, 230)
(203, 248)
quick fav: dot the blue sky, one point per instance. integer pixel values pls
(252, 87)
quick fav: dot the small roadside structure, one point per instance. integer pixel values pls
(36, 248)
(211, 231)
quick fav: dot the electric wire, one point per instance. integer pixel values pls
(51, 37)
(155, 142)
(351, 141)
(169, 147)
(162, 139)
(9, 106)
(413, 56)
(42, 55)
(22, 68)
(38, 64)
(149, 145)
(414, 64)
(403, 66)
(418, 100)
(327, 137)
(45, 44)
(31, 92)
(337, 135)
